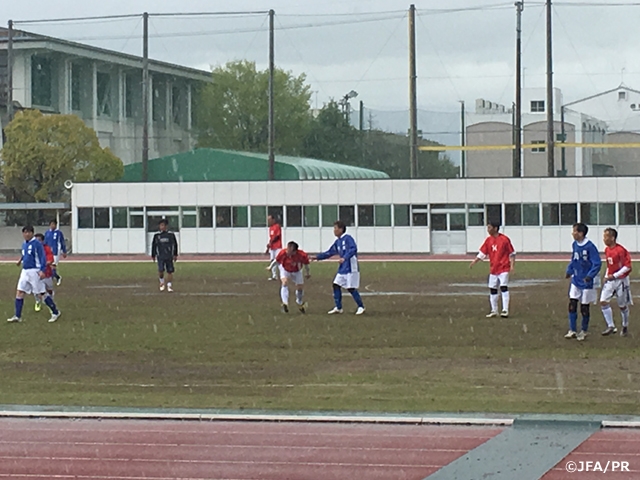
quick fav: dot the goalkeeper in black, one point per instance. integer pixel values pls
(164, 249)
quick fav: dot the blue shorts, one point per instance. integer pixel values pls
(165, 265)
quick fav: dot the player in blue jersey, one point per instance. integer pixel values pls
(583, 270)
(34, 264)
(55, 239)
(348, 275)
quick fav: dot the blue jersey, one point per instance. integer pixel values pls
(33, 257)
(346, 248)
(585, 263)
(55, 240)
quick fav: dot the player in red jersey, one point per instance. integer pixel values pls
(502, 258)
(48, 272)
(616, 282)
(291, 261)
(275, 244)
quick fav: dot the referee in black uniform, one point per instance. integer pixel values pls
(165, 249)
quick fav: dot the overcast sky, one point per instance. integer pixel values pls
(344, 45)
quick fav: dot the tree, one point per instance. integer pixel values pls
(42, 151)
(332, 138)
(233, 111)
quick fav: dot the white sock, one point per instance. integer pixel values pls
(625, 317)
(36, 297)
(608, 315)
(505, 300)
(169, 284)
(493, 300)
(274, 271)
(299, 295)
(284, 295)
(161, 281)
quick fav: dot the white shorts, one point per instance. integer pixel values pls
(30, 281)
(56, 259)
(295, 277)
(501, 280)
(584, 295)
(348, 280)
(48, 284)
(274, 253)
(619, 288)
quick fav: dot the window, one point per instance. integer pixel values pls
(276, 212)
(606, 214)
(176, 105)
(258, 216)
(420, 216)
(622, 95)
(240, 217)
(439, 222)
(538, 149)
(589, 213)
(223, 217)
(494, 214)
(129, 85)
(294, 216)
(189, 217)
(85, 218)
(347, 213)
(550, 214)
(513, 214)
(205, 216)
(383, 215)
(329, 215)
(456, 222)
(311, 216)
(365, 216)
(75, 86)
(104, 94)
(568, 213)
(101, 218)
(401, 216)
(537, 106)
(627, 213)
(136, 217)
(41, 81)
(531, 214)
(158, 101)
(476, 215)
(120, 215)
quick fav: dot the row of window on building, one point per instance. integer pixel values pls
(461, 215)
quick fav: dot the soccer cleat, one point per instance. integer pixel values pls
(609, 331)
(360, 311)
(492, 314)
(624, 332)
(162, 287)
(37, 307)
(55, 316)
(271, 278)
(581, 336)
(303, 307)
(14, 319)
(284, 308)
(169, 289)
(59, 281)
(335, 310)
(570, 334)
(504, 314)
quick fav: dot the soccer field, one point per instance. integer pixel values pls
(220, 341)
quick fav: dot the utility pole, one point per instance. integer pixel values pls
(10, 70)
(517, 157)
(413, 108)
(550, 128)
(361, 125)
(463, 157)
(272, 128)
(145, 96)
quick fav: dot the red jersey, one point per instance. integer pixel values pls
(48, 255)
(499, 251)
(275, 237)
(294, 262)
(617, 258)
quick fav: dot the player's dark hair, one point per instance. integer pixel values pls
(294, 245)
(340, 224)
(612, 231)
(27, 228)
(163, 221)
(581, 227)
(494, 223)
(54, 221)
(39, 236)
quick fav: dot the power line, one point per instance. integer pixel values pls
(79, 19)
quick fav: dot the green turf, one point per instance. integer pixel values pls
(136, 347)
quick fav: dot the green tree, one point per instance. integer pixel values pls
(331, 137)
(233, 111)
(42, 151)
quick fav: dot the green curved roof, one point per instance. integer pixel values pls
(209, 165)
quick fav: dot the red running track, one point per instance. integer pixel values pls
(610, 445)
(162, 450)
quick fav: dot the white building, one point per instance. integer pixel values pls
(384, 216)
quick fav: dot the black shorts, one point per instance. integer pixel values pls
(165, 265)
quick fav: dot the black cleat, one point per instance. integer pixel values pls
(609, 331)
(303, 307)
(285, 308)
(624, 332)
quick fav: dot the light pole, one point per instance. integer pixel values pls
(346, 106)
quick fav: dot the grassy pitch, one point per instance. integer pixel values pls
(220, 341)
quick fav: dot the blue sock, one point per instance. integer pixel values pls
(573, 321)
(55, 273)
(337, 296)
(52, 306)
(19, 304)
(356, 296)
(585, 323)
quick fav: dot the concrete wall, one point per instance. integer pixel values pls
(625, 161)
(11, 237)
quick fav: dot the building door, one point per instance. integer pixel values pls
(153, 218)
(448, 229)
